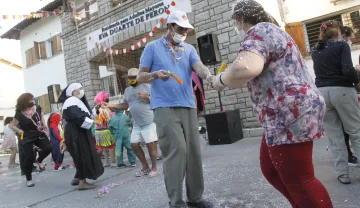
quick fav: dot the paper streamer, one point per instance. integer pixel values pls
(141, 41)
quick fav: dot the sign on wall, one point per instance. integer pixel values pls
(153, 12)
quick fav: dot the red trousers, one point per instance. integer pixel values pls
(290, 170)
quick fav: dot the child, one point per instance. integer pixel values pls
(104, 140)
(56, 140)
(119, 127)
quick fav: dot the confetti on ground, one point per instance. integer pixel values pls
(105, 189)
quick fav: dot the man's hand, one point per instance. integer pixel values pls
(107, 105)
(215, 83)
(143, 95)
(163, 75)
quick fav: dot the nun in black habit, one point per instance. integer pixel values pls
(78, 136)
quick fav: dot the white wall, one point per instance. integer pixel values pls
(300, 10)
(354, 55)
(11, 87)
(272, 7)
(49, 71)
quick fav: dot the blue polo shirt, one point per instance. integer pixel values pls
(157, 55)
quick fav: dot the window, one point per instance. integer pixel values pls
(110, 85)
(313, 30)
(55, 108)
(44, 103)
(50, 48)
(36, 101)
(53, 46)
(351, 19)
(43, 50)
(86, 11)
(32, 55)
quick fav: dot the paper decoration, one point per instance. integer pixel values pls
(141, 41)
(33, 15)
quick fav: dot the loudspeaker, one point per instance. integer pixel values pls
(224, 127)
(54, 92)
(209, 49)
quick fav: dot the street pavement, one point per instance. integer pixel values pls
(232, 180)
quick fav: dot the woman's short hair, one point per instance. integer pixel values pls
(22, 102)
(251, 12)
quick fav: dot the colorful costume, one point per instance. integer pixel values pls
(78, 138)
(56, 140)
(104, 139)
(119, 127)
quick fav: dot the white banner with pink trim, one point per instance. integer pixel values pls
(158, 10)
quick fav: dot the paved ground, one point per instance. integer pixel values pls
(232, 180)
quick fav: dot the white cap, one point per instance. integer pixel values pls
(180, 18)
(133, 72)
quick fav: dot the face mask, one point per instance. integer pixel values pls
(132, 82)
(241, 33)
(178, 38)
(81, 94)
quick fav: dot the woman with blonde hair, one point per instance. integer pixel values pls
(336, 78)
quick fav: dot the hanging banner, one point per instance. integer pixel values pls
(153, 12)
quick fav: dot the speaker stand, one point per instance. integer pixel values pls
(220, 103)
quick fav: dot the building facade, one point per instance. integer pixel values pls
(304, 26)
(98, 70)
(42, 53)
(11, 86)
(87, 35)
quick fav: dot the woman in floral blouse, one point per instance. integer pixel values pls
(285, 100)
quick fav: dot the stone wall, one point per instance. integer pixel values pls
(213, 16)
(208, 16)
